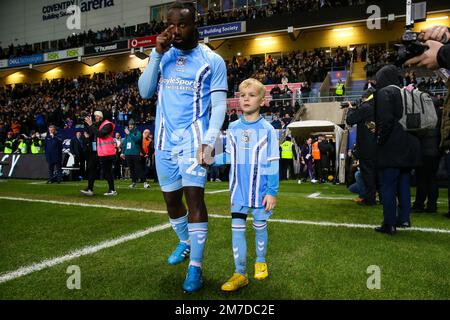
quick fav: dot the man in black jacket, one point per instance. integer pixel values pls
(364, 117)
(397, 151)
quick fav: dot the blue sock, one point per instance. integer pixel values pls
(198, 232)
(261, 238)
(180, 226)
(239, 245)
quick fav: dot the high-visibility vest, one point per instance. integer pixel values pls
(22, 147)
(105, 145)
(8, 146)
(286, 150)
(36, 149)
(315, 151)
(340, 89)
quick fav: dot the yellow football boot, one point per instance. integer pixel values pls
(261, 271)
(236, 282)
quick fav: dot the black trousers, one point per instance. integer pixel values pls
(287, 164)
(318, 170)
(107, 168)
(92, 169)
(369, 176)
(427, 186)
(51, 171)
(137, 171)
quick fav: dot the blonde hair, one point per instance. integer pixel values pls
(251, 82)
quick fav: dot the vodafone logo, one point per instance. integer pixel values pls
(148, 41)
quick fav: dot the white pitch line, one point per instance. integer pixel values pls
(48, 263)
(340, 225)
(216, 191)
(317, 195)
(305, 222)
(80, 204)
(71, 184)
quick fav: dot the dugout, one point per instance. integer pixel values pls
(301, 130)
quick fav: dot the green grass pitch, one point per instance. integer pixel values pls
(306, 261)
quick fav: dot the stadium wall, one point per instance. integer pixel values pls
(24, 21)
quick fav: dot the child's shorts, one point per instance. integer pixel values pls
(258, 213)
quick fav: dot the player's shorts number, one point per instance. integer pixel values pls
(191, 169)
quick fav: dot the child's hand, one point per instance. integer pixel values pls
(270, 202)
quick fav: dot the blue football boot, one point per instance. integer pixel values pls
(194, 279)
(180, 253)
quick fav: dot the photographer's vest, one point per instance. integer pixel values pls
(105, 145)
(36, 149)
(315, 151)
(340, 89)
(445, 127)
(8, 146)
(286, 150)
(22, 147)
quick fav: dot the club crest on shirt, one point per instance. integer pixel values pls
(245, 136)
(181, 61)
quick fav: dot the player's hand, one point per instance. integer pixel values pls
(269, 202)
(164, 40)
(436, 33)
(428, 58)
(205, 155)
(88, 120)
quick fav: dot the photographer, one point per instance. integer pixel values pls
(36, 143)
(438, 56)
(363, 116)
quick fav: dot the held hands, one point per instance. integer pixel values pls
(269, 202)
(205, 155)
(164, 40)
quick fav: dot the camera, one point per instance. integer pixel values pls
(346, 104)
(410, 46)
(84, 114)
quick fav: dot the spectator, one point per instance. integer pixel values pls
(53, 155)
(132, 144)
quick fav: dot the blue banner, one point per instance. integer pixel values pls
(222, 29)
(20, 61)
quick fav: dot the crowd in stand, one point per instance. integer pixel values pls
(25, 109)
(295, 67)
(212, 17)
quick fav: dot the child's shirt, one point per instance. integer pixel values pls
(254, 154)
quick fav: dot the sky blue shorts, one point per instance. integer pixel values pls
(179, 168)
(258, 213)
